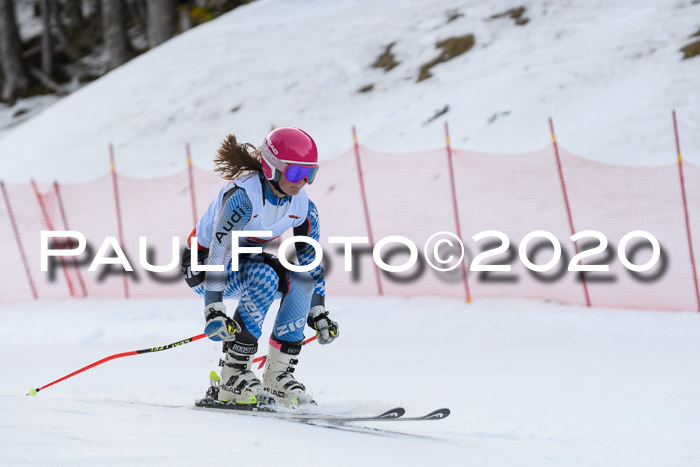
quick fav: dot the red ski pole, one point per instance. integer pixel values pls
(34, 391)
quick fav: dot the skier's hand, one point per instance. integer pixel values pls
(326, 329)
(219, 327)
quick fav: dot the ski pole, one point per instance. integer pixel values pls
(34, 391)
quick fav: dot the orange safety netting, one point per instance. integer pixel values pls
(406, 194)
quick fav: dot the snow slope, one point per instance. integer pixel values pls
(609, 72)
(528, 385)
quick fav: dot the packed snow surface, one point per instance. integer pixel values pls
(528, 384)
(608, 72)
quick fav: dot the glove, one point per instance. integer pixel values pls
(219, 327)
(326, 329)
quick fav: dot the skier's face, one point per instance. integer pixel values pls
(291, 188)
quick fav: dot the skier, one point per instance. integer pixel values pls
(265, 192)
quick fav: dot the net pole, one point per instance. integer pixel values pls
(64, 218)
(455, 207)
(365, 206)
(685, 209)
(18, 239)
(118, 210)
(45, 214)
(190, 174)
(568, 206)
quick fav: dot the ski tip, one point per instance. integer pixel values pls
(393, 413)
(438, 414)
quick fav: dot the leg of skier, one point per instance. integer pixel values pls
(286, 342)
(256, 283)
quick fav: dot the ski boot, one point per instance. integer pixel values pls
(239, 385)
(278, 378)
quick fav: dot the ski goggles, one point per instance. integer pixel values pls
(296, 173)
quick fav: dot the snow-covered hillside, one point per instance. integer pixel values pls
(608, 72)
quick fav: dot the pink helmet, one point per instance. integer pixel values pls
(289, 151)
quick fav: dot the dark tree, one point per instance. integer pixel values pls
(113, 15)
(72, 13)
(16, 81)
(46, 42)
(162, 21)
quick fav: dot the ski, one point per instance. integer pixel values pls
(395, 414)
(438, 414)
(266, 407)
(205, 404)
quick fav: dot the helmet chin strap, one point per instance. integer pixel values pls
(275, 183)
